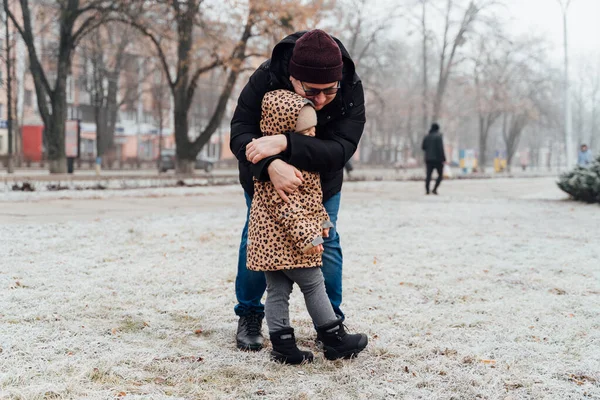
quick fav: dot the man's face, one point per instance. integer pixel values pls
(321, 99)
(584, 148)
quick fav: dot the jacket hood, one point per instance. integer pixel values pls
(280, 109)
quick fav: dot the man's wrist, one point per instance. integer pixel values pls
(273, 165)
(284, 143)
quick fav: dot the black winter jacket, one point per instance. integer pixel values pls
(433, 146)
(339, 127)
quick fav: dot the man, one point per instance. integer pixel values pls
(317, 67)
(435, 157)
(584, 158)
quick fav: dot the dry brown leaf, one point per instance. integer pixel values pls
(557, 291)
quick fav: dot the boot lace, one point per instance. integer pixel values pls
(253, 324)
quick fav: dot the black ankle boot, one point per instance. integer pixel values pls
(285, 349)
(249, 335)
(339, 344)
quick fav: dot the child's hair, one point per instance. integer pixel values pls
(307, 118)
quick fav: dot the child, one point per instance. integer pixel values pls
(285, 240)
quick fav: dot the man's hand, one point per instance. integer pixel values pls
(285, 177)
(264, 147)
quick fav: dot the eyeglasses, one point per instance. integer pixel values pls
(312, 92)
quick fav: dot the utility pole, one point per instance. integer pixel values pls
(564, 4)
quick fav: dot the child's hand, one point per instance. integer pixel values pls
(314, 250)
(326, 232)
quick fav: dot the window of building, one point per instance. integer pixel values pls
(28, 98)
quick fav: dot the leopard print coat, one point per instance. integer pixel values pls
(279, 231)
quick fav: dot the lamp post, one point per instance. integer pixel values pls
(564, 5)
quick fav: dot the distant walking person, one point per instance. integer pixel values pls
(433, 146)
(584, 158)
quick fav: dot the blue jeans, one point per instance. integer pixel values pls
(251, 285)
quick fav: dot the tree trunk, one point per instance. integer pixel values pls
(101, 131)
(513, 137)
(55, 129)
(182, 141)
(237, 60)
(9, 100)
(184, 167)
(55, 116)
(112, 109)
(160, 133)
(482, 145)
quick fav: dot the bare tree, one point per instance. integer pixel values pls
(198, 38)
(104, 53)
(450, 44)
(493, 66)
(159, 90)
(595, 100)
(74, 19)
(366, 36)
(587, 101)
(361, 31)
(522, 106)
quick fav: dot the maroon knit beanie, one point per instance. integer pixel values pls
(316, 58)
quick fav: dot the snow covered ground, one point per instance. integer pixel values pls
(489, 291)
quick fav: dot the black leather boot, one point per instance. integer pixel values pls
(285, 349)
(249, 335)
(337, 343)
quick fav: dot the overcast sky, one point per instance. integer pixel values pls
(545, 17)
(535, 17)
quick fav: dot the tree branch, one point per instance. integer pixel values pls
(194, 80)
(161, 54)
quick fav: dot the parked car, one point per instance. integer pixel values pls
(167, 161)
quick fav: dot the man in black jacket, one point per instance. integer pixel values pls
(435, 157)
(316, 66)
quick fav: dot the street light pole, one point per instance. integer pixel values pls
(564, 4)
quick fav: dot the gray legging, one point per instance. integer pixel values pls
(279, 288)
